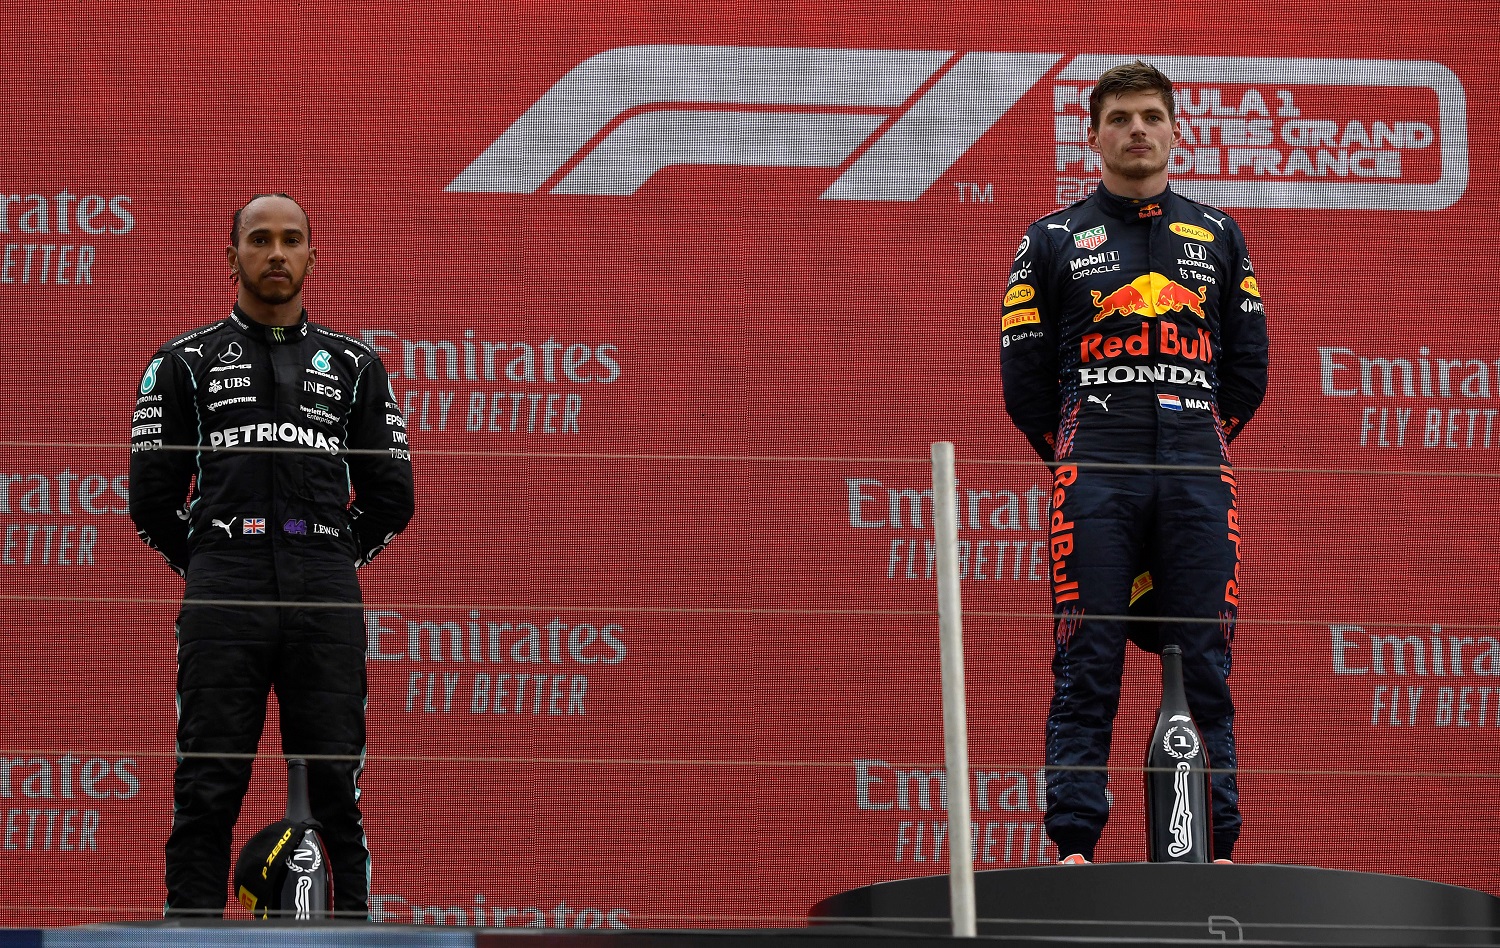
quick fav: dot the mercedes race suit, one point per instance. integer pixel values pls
(273, 428)
(1133, 349)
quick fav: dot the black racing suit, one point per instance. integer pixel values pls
(273, 428)
(1133, 336)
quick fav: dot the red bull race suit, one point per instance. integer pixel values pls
(1133, 350)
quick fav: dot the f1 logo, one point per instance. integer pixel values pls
(619, 117)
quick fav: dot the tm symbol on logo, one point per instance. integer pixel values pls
(972, 192)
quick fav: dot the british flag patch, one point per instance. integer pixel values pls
(254, 525)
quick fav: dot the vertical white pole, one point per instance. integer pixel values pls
(955, 722)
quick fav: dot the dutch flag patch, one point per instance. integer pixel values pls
(1169, 402)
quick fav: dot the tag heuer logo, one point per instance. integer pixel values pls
(1091, 238)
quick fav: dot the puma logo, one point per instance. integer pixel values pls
(1103, 403)
(229, 532)
(196, 350)
(1066, 226)
(1218, 221)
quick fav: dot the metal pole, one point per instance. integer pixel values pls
(955, 722)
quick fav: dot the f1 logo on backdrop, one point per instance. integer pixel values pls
(905, 117)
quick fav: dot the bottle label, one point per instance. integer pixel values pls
(1180, 741)
(1182, 813)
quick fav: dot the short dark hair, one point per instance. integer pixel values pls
(1130, 77)
(234, 224)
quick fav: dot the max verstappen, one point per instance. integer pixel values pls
(272, 422)
(1133, 351)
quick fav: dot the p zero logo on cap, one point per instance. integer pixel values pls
(1188, 230)
(1020, 317)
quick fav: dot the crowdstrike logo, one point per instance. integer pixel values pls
(621, 116)
(891, 122)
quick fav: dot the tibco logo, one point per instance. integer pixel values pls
(619, 117)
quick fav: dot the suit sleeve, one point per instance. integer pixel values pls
(1028, 344)
(380, 465)
(163, 439)
(1243, 346)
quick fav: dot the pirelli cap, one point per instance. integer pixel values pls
(262, 866)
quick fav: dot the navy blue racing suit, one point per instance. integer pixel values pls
(273, 428)
(1133, 349)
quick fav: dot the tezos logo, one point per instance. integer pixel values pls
(321, 361)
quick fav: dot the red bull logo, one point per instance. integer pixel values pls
(1176, 297)
(1096, 347)
(1127, 300)
(1151, 294)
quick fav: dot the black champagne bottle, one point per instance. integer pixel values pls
(307, 892)
(1178, 814)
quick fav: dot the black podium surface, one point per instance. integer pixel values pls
(1295, 904)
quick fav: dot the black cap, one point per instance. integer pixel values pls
(262, 866)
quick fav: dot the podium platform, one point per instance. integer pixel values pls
(1176, 901)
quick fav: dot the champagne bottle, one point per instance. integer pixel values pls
(307, 892)
(1178, 814)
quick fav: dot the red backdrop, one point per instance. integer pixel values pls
(675, 297)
